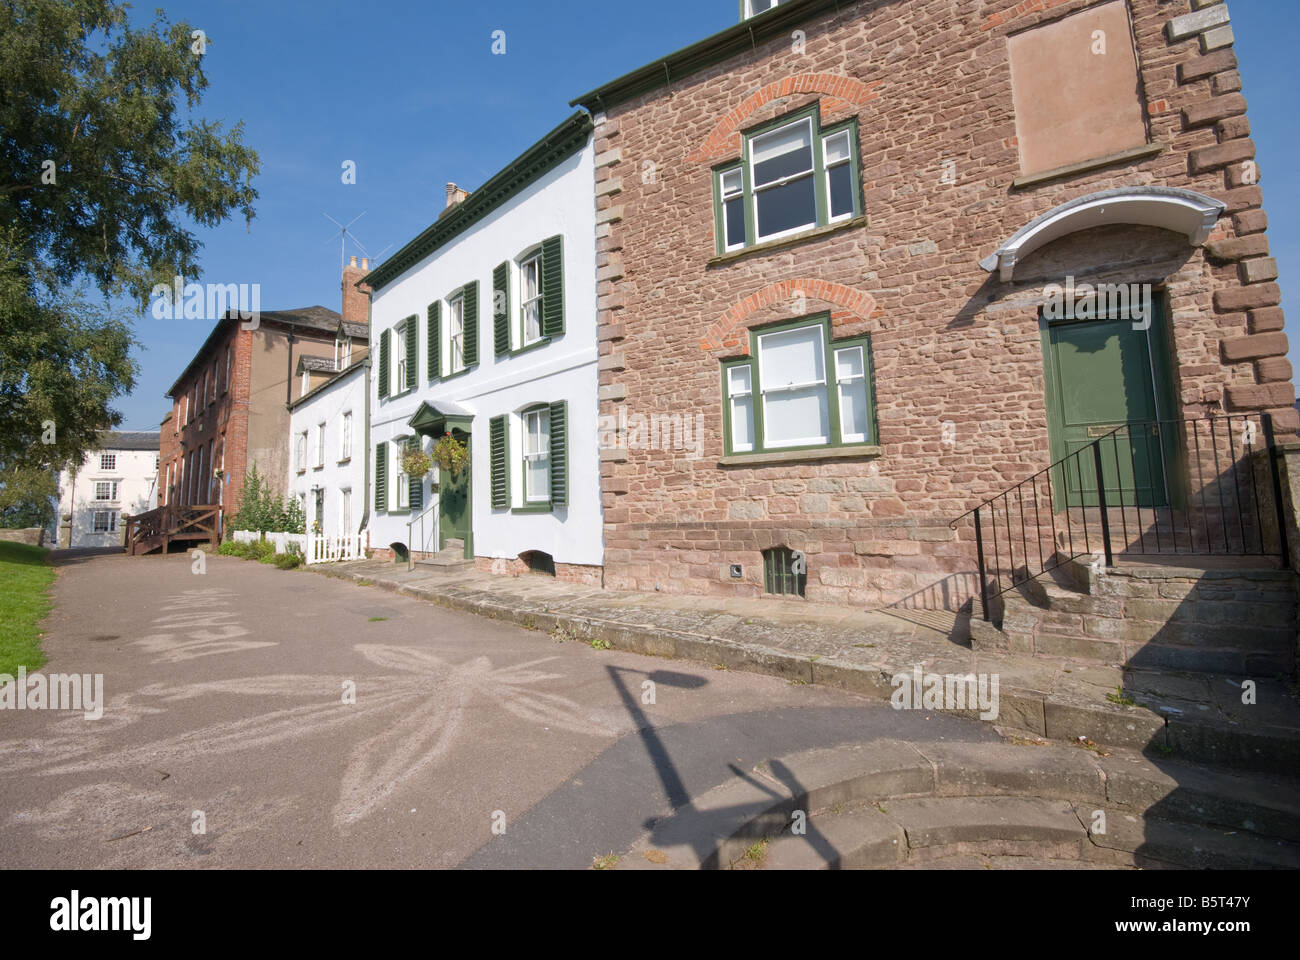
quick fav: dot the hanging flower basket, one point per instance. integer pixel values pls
(450, 454)
(416, 463)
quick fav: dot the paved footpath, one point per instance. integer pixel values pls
(227, 708)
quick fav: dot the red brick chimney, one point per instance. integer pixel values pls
(356, 303)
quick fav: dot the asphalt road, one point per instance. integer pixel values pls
(263, 718)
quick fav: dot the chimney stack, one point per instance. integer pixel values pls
(454, 196)
(356, 303)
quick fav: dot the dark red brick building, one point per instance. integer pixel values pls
(230, 405)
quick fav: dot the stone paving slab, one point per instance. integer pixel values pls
(862, 650)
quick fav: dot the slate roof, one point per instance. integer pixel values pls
(128, 440)
(315, 318)
(316, 364)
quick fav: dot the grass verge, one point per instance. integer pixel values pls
(25, 601)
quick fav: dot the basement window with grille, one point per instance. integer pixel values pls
(778, 573)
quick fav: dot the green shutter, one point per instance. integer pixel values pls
(499, 458)
(416, 484)
(381, 476)
(559, 454)
(383, 364)
(501, 309)
(471, 323)
(552, 287)
(412, 362)
(435, 339)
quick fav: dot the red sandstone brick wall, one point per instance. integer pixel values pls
(224, 420)
(929, 82)
(591, 576)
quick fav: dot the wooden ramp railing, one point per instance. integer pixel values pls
(157, 529)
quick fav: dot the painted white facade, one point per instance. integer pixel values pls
(559, 202)
(112, 482)
(327, 453)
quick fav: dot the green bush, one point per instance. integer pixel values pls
(260, 550)
(229, 548)
(288, 561)
(261, 510)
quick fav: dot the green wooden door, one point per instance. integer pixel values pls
(454, 505)
(1101, 374)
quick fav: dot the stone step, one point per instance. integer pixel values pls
(450, 557)
(1268, 806)
(974, 861)
(718, 828)
(1133, 840)
(445, 561)
(957, 799)
(952, 821)
(840, 838)
(1202, 631)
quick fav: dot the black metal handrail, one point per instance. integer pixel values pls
(1148, 487)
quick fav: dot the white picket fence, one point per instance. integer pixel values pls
(316, 549)
(280, 540)
(352, 546)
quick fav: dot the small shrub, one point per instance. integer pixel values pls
(261, 510)
(229, 548)
(287, 561)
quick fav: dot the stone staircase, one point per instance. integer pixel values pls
(1207, 614)
(450, 558)
(891, 804)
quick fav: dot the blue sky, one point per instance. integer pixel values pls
(412, 92)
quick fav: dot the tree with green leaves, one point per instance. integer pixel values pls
(103, 167)
(63, 359)
(100, 155)
(27, 497)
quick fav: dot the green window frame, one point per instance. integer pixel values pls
(841, 379)
(433, 347)
(406, 375)
(530, 299)
(401, 501)
(529, 456)
(462, 305)
(552, 490)
(383, 364)
(456, 338)
(834, 169)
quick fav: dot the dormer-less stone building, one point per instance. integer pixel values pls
(842, 233)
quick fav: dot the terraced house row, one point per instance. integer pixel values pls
(962, 304)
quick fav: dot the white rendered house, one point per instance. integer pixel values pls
(327, 453)
(118, 479)
(483, 328)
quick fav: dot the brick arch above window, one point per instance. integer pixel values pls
(839, 93)
(731, 329)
